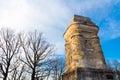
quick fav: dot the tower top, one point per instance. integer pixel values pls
(82, 20)
(83, 23)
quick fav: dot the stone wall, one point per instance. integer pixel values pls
(90, 74)
(82, 45)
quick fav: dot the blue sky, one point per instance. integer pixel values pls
(52, 17)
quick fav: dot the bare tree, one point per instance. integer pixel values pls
(36, 50)
(57, 66)
(53, 67)
(115, 66)
(9, 47)
(19, 72)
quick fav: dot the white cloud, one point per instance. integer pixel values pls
(48, 16)
(83, 6)
(24, 13)
(15, 14)
(111, 30)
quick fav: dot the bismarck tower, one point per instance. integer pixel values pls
(84, 57)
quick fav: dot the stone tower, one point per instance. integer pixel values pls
(84, 56)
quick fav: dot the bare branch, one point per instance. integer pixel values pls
(9, 48)
(36, 50)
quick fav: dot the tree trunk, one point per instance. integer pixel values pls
(5, 77)
(6, 74)
(33, 74)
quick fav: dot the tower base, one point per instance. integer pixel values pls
(90, 74)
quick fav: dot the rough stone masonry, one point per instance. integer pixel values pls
(84, 57)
